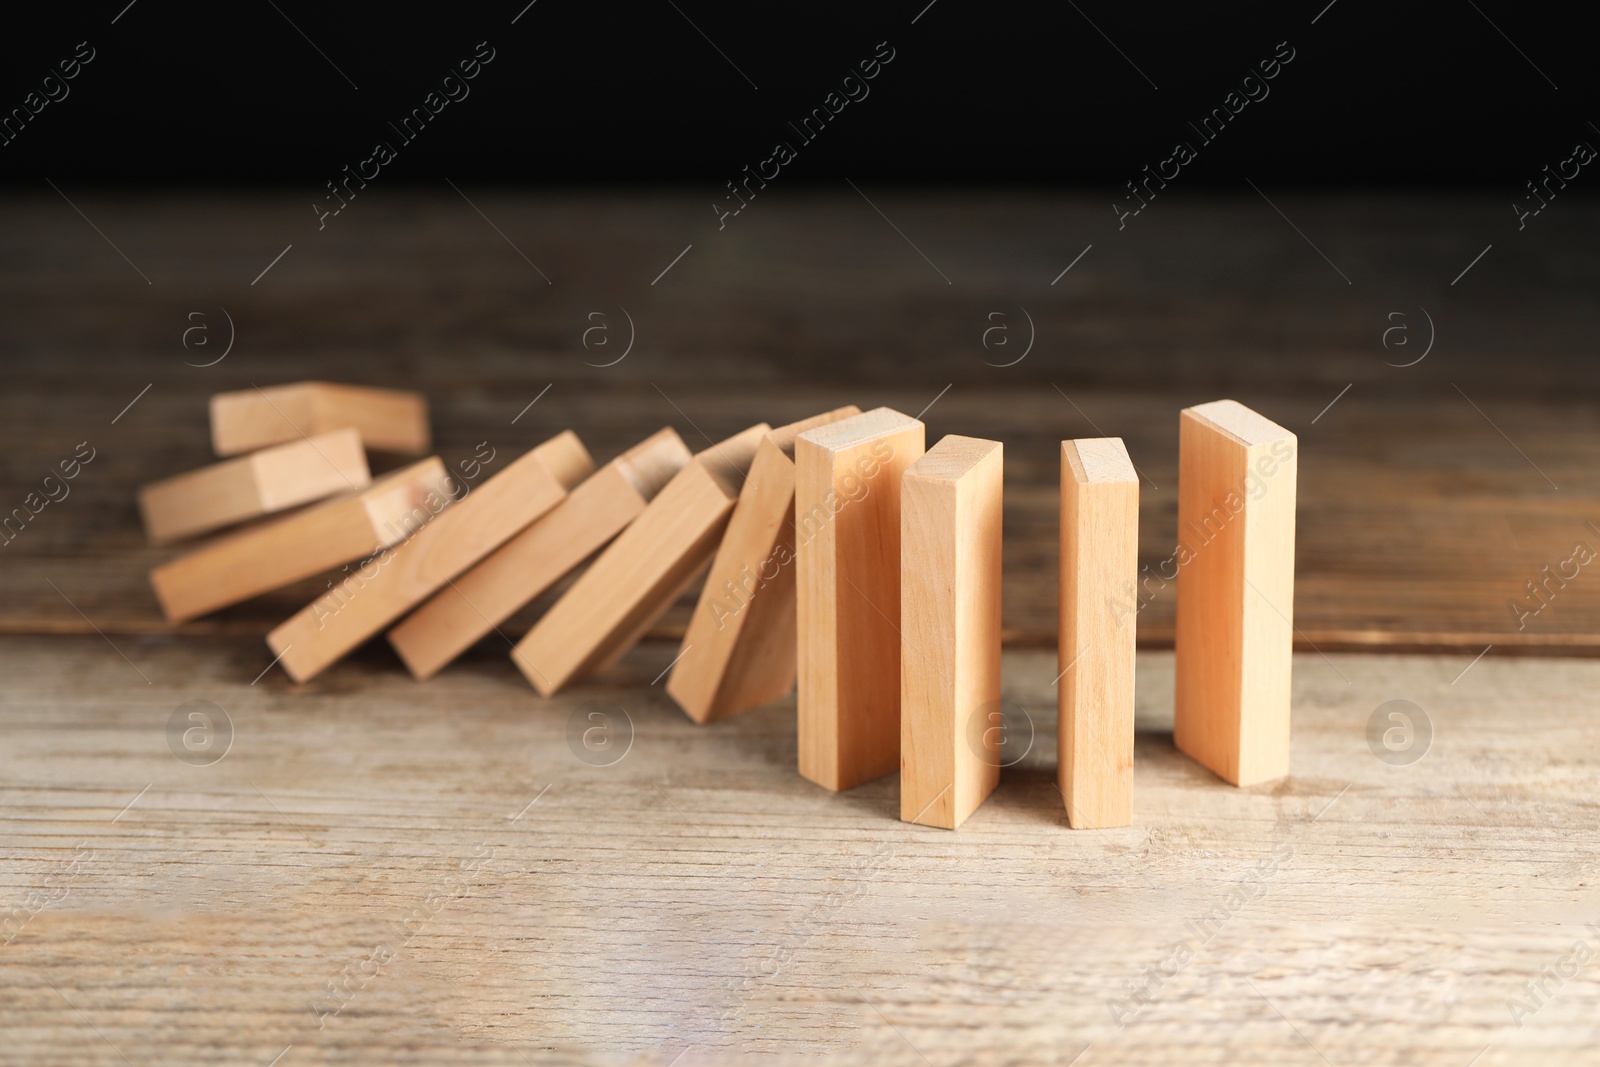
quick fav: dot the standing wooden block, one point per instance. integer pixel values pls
(529, 563)
(251, 486)
(847, 533)
(1235, 631)
(390, 420)
(299, 545)
(950, 629)
(742, 632)
(648, 566)
(398, 578)
(1099, 566)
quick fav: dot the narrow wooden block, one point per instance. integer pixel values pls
(249, 487)
(1099, 566)
(742, 634)
(390, 420)
(1235, 631)
(528, 564)
(648, 566)
(304, 543)
(847, 534)
(950, 630)
(398, 578)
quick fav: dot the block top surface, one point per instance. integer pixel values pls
(566, 457)
(858, 429)
(728, 461)
(784, 436)
(953, 457)
(1099, 459)
(649, 465)
(1230, 416)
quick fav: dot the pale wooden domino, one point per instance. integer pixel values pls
(1235, 632)
(742, 631)
(847, 534)
(390, 420)
(1099, 566)
(528, 564)
(950, 630)
(249, 487)
(301, 544)
(398, 578)
(639, 575)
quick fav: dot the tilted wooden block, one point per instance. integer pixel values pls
(950, 630)
(398, 578)
(1099, 566)
(847, 533)
(742, 633)
(249, 487)
(529, 563)
(299, 545)
(1235, 633)
(650, 564)
(390, 420)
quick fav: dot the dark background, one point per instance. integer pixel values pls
(1378, 95)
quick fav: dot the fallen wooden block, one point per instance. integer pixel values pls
(249, 487)
(1099, 566)
(847, 533)
(318, 538)
(398, 578)
(390, 420)
(950, 630)
(529, 563)
(650, 564)
(1236, 501)
(743, 629)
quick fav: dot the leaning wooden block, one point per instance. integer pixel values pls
(302, 544)
(950, 630)
(847, 533)
(1235, 630)
(398, 578)
(743, 630)
(1094, 696)
(648, 566)
(390, 420)
(529, 563)
(249, 487)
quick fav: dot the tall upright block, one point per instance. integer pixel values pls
(389, 420)
(1235, 631)
(950, 627)
(847, 542)
(742, 632)
(1094, 696)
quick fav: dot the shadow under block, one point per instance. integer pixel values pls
(742, 632)
(1099, 569)
(398, 578)
(847, 574)
(1236, 505)
(390, 420)
(525, 566)
(950, 630)
(639, 575)
(249, 487)
(304, 543)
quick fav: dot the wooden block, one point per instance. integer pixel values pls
(739, 650)
(249, 487)
(529, 563)
(648, 566)
(1099, 566)
(847, 574)
(1236, 500)
(950, 630)
(304, 543)
(400, 577)
(390, 420)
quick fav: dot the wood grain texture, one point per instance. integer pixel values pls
(847, 574)
(742, 633)
(1235, 564)
(389, 420)
(950, 536)
(1099, 611)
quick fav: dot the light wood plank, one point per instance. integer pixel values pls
(390, 420)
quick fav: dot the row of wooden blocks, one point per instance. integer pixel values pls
(836, 552)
